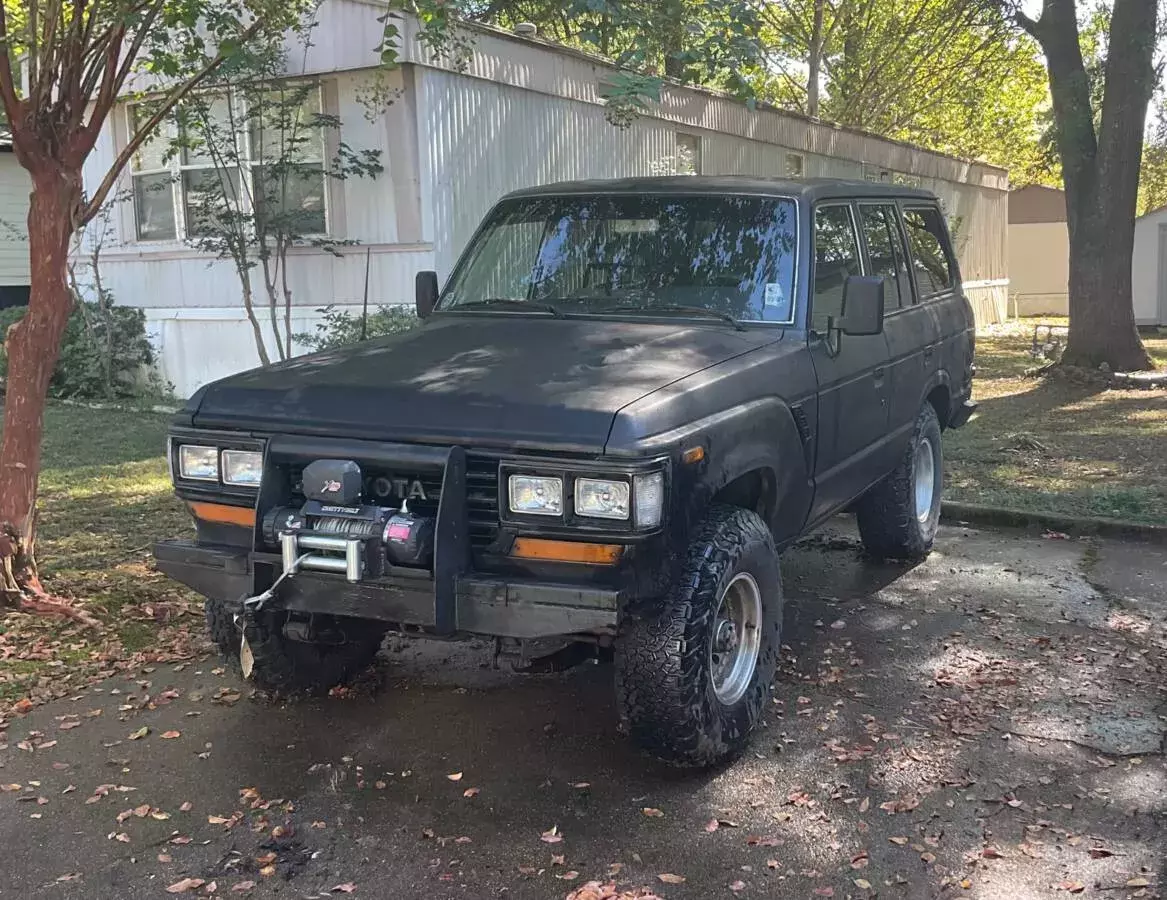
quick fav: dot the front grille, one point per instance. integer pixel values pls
(481, 493)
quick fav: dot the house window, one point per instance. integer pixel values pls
(688, 154)
(793, 165)
(235, 158)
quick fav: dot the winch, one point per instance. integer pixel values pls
(335, 532)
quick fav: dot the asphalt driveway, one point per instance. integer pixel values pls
(987, 724)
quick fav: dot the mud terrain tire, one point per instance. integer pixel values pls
(287, 665)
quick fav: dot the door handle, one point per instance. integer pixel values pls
(880, 373)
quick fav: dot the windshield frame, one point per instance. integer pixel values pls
(466, 255)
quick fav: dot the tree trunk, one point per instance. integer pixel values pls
(33, 346)
(814, 60)
(1101, 175)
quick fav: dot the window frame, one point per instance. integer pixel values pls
(178, 168)
(861, 257)
(905, 205)
(892, 203)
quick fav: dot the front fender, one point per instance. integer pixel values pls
(760, 435)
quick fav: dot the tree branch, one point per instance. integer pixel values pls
(12, 106)
(169, 101)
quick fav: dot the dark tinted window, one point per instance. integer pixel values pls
(836, 256)
(886, 253)
(592, 255)
(929, 249)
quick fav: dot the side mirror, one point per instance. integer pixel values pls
(862, 305)
(426, 287)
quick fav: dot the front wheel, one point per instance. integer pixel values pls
(693, 669)
(310, 654)
(899, 517)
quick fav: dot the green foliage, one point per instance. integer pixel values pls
(105, 354)
(340, 328)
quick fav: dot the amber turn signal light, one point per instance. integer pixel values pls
(566, 551)
(223, 514)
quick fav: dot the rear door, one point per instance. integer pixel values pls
(912, 331)
(937, 281)
(851, 370)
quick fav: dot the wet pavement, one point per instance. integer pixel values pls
(987, 724)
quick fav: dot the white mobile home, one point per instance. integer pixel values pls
(520, 112)
(15, 186)
(1149, 268)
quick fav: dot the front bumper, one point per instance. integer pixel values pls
(478, 604)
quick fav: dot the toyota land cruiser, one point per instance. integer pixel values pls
(628, 399)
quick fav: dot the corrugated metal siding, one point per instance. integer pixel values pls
(480, 140)
(14, 190)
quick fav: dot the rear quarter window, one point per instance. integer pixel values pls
(931, 256)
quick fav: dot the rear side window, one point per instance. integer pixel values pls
(930, 254)
(836, 256)
(886, 253)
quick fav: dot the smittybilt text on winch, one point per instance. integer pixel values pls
(629, 397)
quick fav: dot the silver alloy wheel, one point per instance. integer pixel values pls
(737, 638)
(924, 467)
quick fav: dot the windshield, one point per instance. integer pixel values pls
(686, 255)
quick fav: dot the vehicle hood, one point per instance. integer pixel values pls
(500, 381)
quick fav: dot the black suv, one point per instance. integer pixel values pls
(629, 397)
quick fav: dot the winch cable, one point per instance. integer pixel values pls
(252, 605)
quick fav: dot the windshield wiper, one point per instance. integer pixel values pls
(690, 311)
(508, 303)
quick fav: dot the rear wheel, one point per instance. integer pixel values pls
(899, 517)
(693, 670)
(310, 653)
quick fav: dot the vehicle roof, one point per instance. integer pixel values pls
(810, 189)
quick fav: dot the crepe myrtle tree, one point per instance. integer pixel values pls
(271, 152)
(64, 65)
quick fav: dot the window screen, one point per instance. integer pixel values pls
(886, 253)
(836, 257)
(930, 256)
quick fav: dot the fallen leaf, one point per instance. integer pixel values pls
(380, 785)
(165, 858)
(898, 840)
(864, 804)
(73, 723)
(186, 807)
(470, 792)
(455, 776)
(9, 787)
(928, 858)
(771, 864)
(1137, 882)
(242, 886)
(670, 878)
(217, 820)
(712, 825)
(652, 812)
(551, 835)
(347, 888)
(280, 831)
(863, 884)
(992, 853)
(581, 785)
(558, 859)
(136, 736)
(1101, 852)
(142, 811)
(122, 837)
(267, 871)
(123, 815)
(187, 884)
(180, 840)
(1074, 887)
(211, 887)
(738, 885)
(266, 860)
(170, 735)
(571, 875)
(73, 876)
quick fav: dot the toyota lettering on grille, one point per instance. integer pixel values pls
(384, 487)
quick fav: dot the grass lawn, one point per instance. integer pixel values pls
(105, 497)
(1051, 445)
